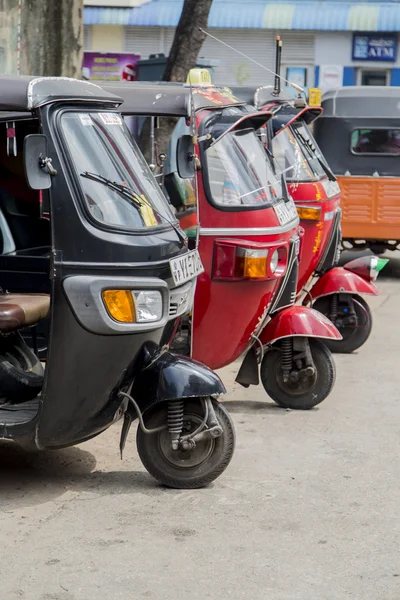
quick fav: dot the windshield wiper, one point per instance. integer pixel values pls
(131, 195)
(327, 170)
(313, 152)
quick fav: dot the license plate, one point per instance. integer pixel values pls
(285, 211)
(186, 267)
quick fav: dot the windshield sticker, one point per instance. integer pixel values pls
(86, 119)
(110, 118)
(331, 188)
(146, 211)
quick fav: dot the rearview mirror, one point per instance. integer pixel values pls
(35, 151)
(185, 157)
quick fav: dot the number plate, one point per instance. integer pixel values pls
(286, 212)
(186, 267)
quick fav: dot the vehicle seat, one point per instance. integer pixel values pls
(22, 310)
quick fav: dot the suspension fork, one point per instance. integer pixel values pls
(208, 428)
(334, 308)
(297, 360)
(287, 358)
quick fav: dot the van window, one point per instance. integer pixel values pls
(375, 141)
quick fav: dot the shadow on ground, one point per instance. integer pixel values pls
(254, 406)
(28, 479)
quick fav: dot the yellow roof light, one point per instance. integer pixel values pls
(199, 76)
(314, 97)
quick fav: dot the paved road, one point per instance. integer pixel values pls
(308, 510)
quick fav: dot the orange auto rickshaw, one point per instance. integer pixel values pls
(359, 135)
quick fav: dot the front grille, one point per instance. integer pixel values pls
(181, 300)
(173, 309)
(286, 295)
(330, 256)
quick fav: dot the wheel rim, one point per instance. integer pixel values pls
(295, 388)
(362, 319)
(186, 459)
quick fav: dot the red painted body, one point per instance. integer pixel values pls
(316, 233)
(226, 313)
(339, 279)
(316, 236)
(299, 321)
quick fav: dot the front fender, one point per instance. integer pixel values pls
(172, 377)
(341, 281)
(298, 321)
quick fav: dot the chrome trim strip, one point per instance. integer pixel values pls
(248, 231)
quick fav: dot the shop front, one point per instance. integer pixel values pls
(360, 59)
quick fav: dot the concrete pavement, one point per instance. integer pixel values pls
(308, 509)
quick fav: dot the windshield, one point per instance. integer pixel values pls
(240, 173)
(101, 144)
(297, 154)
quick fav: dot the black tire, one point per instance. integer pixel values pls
(353, 338)
(378, 249)
(300, 398)
(21, 372)
(168, 466)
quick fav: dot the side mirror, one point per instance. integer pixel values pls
(37, 172)
(185, 157)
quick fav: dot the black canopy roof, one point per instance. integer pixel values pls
(168, 99)
(362, 102)
(22, 94)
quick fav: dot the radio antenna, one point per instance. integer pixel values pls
(278, 58)
(294, 85)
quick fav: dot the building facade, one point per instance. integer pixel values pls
(325, 42)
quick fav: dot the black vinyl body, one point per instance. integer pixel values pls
(85, 369)
(333, 135)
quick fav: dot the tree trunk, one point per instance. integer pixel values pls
(186, 46)
(52, 38)
(188, 39)
(9, 19)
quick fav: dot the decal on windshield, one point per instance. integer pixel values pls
(85, 119)
(110, 118)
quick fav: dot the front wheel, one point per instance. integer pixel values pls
(300, 383)
(191, 468)
(355, 330)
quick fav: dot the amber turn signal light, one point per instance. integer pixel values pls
(120, 305)
(251, 263)
(309, 214)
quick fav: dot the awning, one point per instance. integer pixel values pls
(309, 15)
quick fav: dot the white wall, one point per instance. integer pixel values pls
(106, 38)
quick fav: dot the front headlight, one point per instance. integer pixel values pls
(126, 306)
(274, 261)
(149, 306)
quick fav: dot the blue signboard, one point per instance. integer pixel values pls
(375, 47)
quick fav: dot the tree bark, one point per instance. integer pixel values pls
(188, 39)
(52, 38)
(185, 48)
(9, 18)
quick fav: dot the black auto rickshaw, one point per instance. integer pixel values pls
(359, 134)
(91, 249)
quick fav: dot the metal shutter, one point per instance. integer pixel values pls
(298, 48)
(234, 69)
(142, 40)
(87, 37)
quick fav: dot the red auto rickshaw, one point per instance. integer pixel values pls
(332, 290)
(249, 244)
